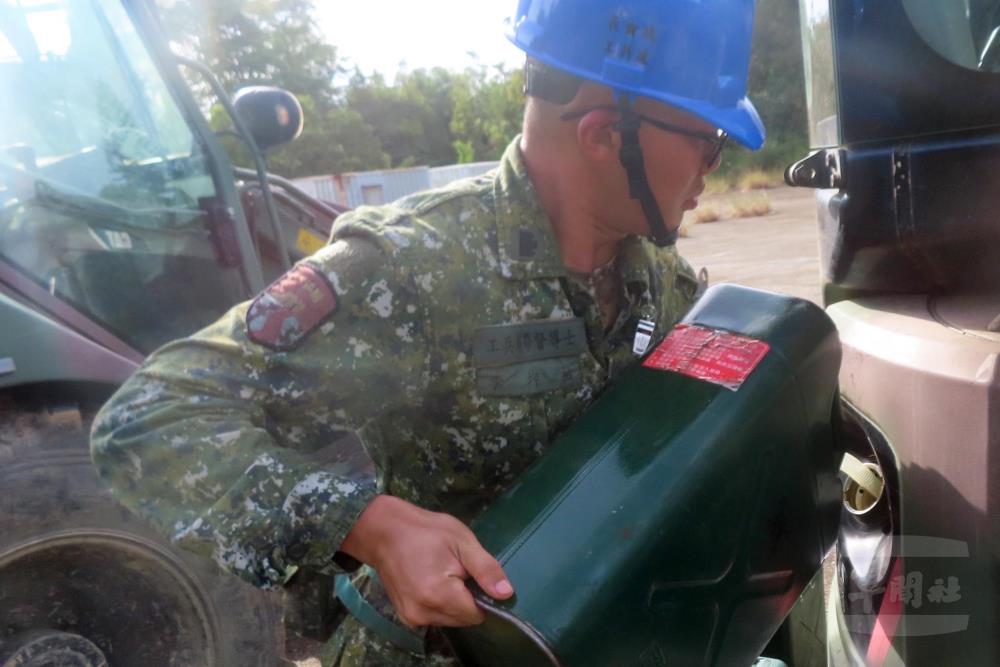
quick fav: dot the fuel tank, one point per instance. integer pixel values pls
(676, 522)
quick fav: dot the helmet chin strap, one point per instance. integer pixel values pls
(638, 183)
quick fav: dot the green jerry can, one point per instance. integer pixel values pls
(678, 520)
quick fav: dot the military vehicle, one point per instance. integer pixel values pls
(904, 116)
(122, 225)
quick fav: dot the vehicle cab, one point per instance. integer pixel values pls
(123, 226)
(904, 115)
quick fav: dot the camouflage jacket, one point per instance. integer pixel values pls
(443, 329)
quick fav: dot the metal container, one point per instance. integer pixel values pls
(386, 185)
(321, 187)
(383, 186)
(676, 522)
(367, 187)
(441, 176)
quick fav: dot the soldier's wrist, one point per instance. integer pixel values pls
(363, 541)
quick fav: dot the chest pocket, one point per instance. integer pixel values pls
(491, 411)
(529, 358)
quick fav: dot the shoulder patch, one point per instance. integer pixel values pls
(290, 308)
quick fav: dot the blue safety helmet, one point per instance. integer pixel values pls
(691, 54)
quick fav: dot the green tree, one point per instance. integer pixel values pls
(410, 118)
(776, 86)
(776, 83)
(488, 106)
(250, 42)
(335, 140)
(434, 116)
(275, 42)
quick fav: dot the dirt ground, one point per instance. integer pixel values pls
(778, 252)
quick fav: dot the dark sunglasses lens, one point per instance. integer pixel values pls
(715, 156)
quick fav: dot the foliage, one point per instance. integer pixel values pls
(488, 104)
(776, 84)
(710, 212)
(334, 140)
(777, 87)
(254, 42)
(274, 42)
(822, 90)
(758, 179)
(411, 118)
(717, 183)
(426, 117)
(781, 149)
(753, 206)
(431, 117)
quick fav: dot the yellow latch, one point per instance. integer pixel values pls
(864, 483)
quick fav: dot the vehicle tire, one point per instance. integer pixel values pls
(84, 583)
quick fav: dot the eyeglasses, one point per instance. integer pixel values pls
(717, 140)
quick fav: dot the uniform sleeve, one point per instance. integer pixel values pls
(228, 441)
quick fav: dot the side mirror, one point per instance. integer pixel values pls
(271, 115)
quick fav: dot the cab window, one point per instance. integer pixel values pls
(965, 32)
(106, 194)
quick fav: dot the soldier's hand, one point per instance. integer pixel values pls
(423, 559)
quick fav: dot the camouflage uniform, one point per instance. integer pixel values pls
(443, 329)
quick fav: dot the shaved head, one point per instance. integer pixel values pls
(575, 164)
(542, 119)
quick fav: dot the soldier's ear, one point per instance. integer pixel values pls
(596, 137)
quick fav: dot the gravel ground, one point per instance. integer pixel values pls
(777, 252)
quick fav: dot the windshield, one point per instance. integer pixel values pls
(821, 91)
(104, 189)
(966, 32)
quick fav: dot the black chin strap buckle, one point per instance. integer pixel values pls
(631, 157)
(628, 122)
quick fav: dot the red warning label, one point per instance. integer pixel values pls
(720, 357)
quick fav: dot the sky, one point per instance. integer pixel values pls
(379, 34)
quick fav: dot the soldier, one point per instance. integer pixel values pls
(457, 332)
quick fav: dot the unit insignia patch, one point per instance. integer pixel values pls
(290, 308)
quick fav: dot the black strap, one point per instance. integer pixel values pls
(638, 184)
(549, 84)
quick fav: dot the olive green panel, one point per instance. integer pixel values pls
(35, 349)
(677, 522)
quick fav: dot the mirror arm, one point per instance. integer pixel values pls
(258, 158)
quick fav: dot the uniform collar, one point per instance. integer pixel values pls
(634, 263)
(526, 244)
